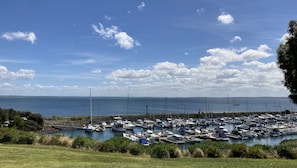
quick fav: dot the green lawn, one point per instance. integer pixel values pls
(12, 156)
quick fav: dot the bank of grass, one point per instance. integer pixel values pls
(12, 156)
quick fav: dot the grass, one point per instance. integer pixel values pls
(53, 156)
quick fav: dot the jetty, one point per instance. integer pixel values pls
(192, 128)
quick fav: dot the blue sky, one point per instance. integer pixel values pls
(163, 48)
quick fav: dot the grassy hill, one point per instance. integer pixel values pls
(12, 156)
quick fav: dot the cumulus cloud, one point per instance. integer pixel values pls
(5, 74)
(27, 36)
(219, 57)
(129, 74)
(122, 38)
(212, 75)
(141, 6)
(235, 39)
(225, 18)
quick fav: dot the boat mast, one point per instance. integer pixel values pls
(91, 110)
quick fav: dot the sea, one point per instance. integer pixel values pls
(49, 106)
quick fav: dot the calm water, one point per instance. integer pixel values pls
(107, 134)
(109, 106)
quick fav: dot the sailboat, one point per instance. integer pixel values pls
(90, 127)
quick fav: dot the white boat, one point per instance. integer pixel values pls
(133, 138)
(90, 127)
(118, 126)
(176, 139)
(128, 125)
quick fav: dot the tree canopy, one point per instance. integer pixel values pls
(287, 60)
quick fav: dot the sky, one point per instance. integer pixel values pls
(155, 48)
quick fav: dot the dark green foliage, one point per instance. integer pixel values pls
(287, 149)
(260, 151)
(120, 144)
(12, 136)
(211, 148)
(25, 121)
(239, 150)
(161, 150)
(136, 149)
(287, 60)
(83, 142)
(213, 151)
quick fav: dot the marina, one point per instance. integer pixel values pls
(265, 129)
(250, 120)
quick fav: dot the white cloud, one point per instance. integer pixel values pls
(96, 71)
(123, 39)
(212, 77)
(141, 6)
(5, 74)
(235, 39)
(283, 39)
(200, 10)
(82, 61)
(27, 36)
(129, 74)
(219, 57)
(107, 17)
(225, 18)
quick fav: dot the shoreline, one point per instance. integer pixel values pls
(56, 124)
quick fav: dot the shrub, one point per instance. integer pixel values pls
(260, 151)
(178, 153)
(186, 153)
(136, 149)
(84, 142)
(239, 150)
(119, 144)
(159, 151)
(213, 151)
(14, 136)
(211, 148)
(287, 149)
(198, 153)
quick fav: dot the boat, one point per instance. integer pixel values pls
(143, 141)
(118, 125)
(175, 138)
(90, 127)
(128, 125)
(133, 138)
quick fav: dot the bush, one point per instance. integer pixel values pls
(211, 148)
(186, 153)
(287, 149)
(198, 153)
(260, 151)
(13, 136)
(119, 144)
(136, 149)
(213, 151)
(178, 153)
(84, 142)
(239, 150)
(159, 151)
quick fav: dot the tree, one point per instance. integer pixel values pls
(287, 60)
